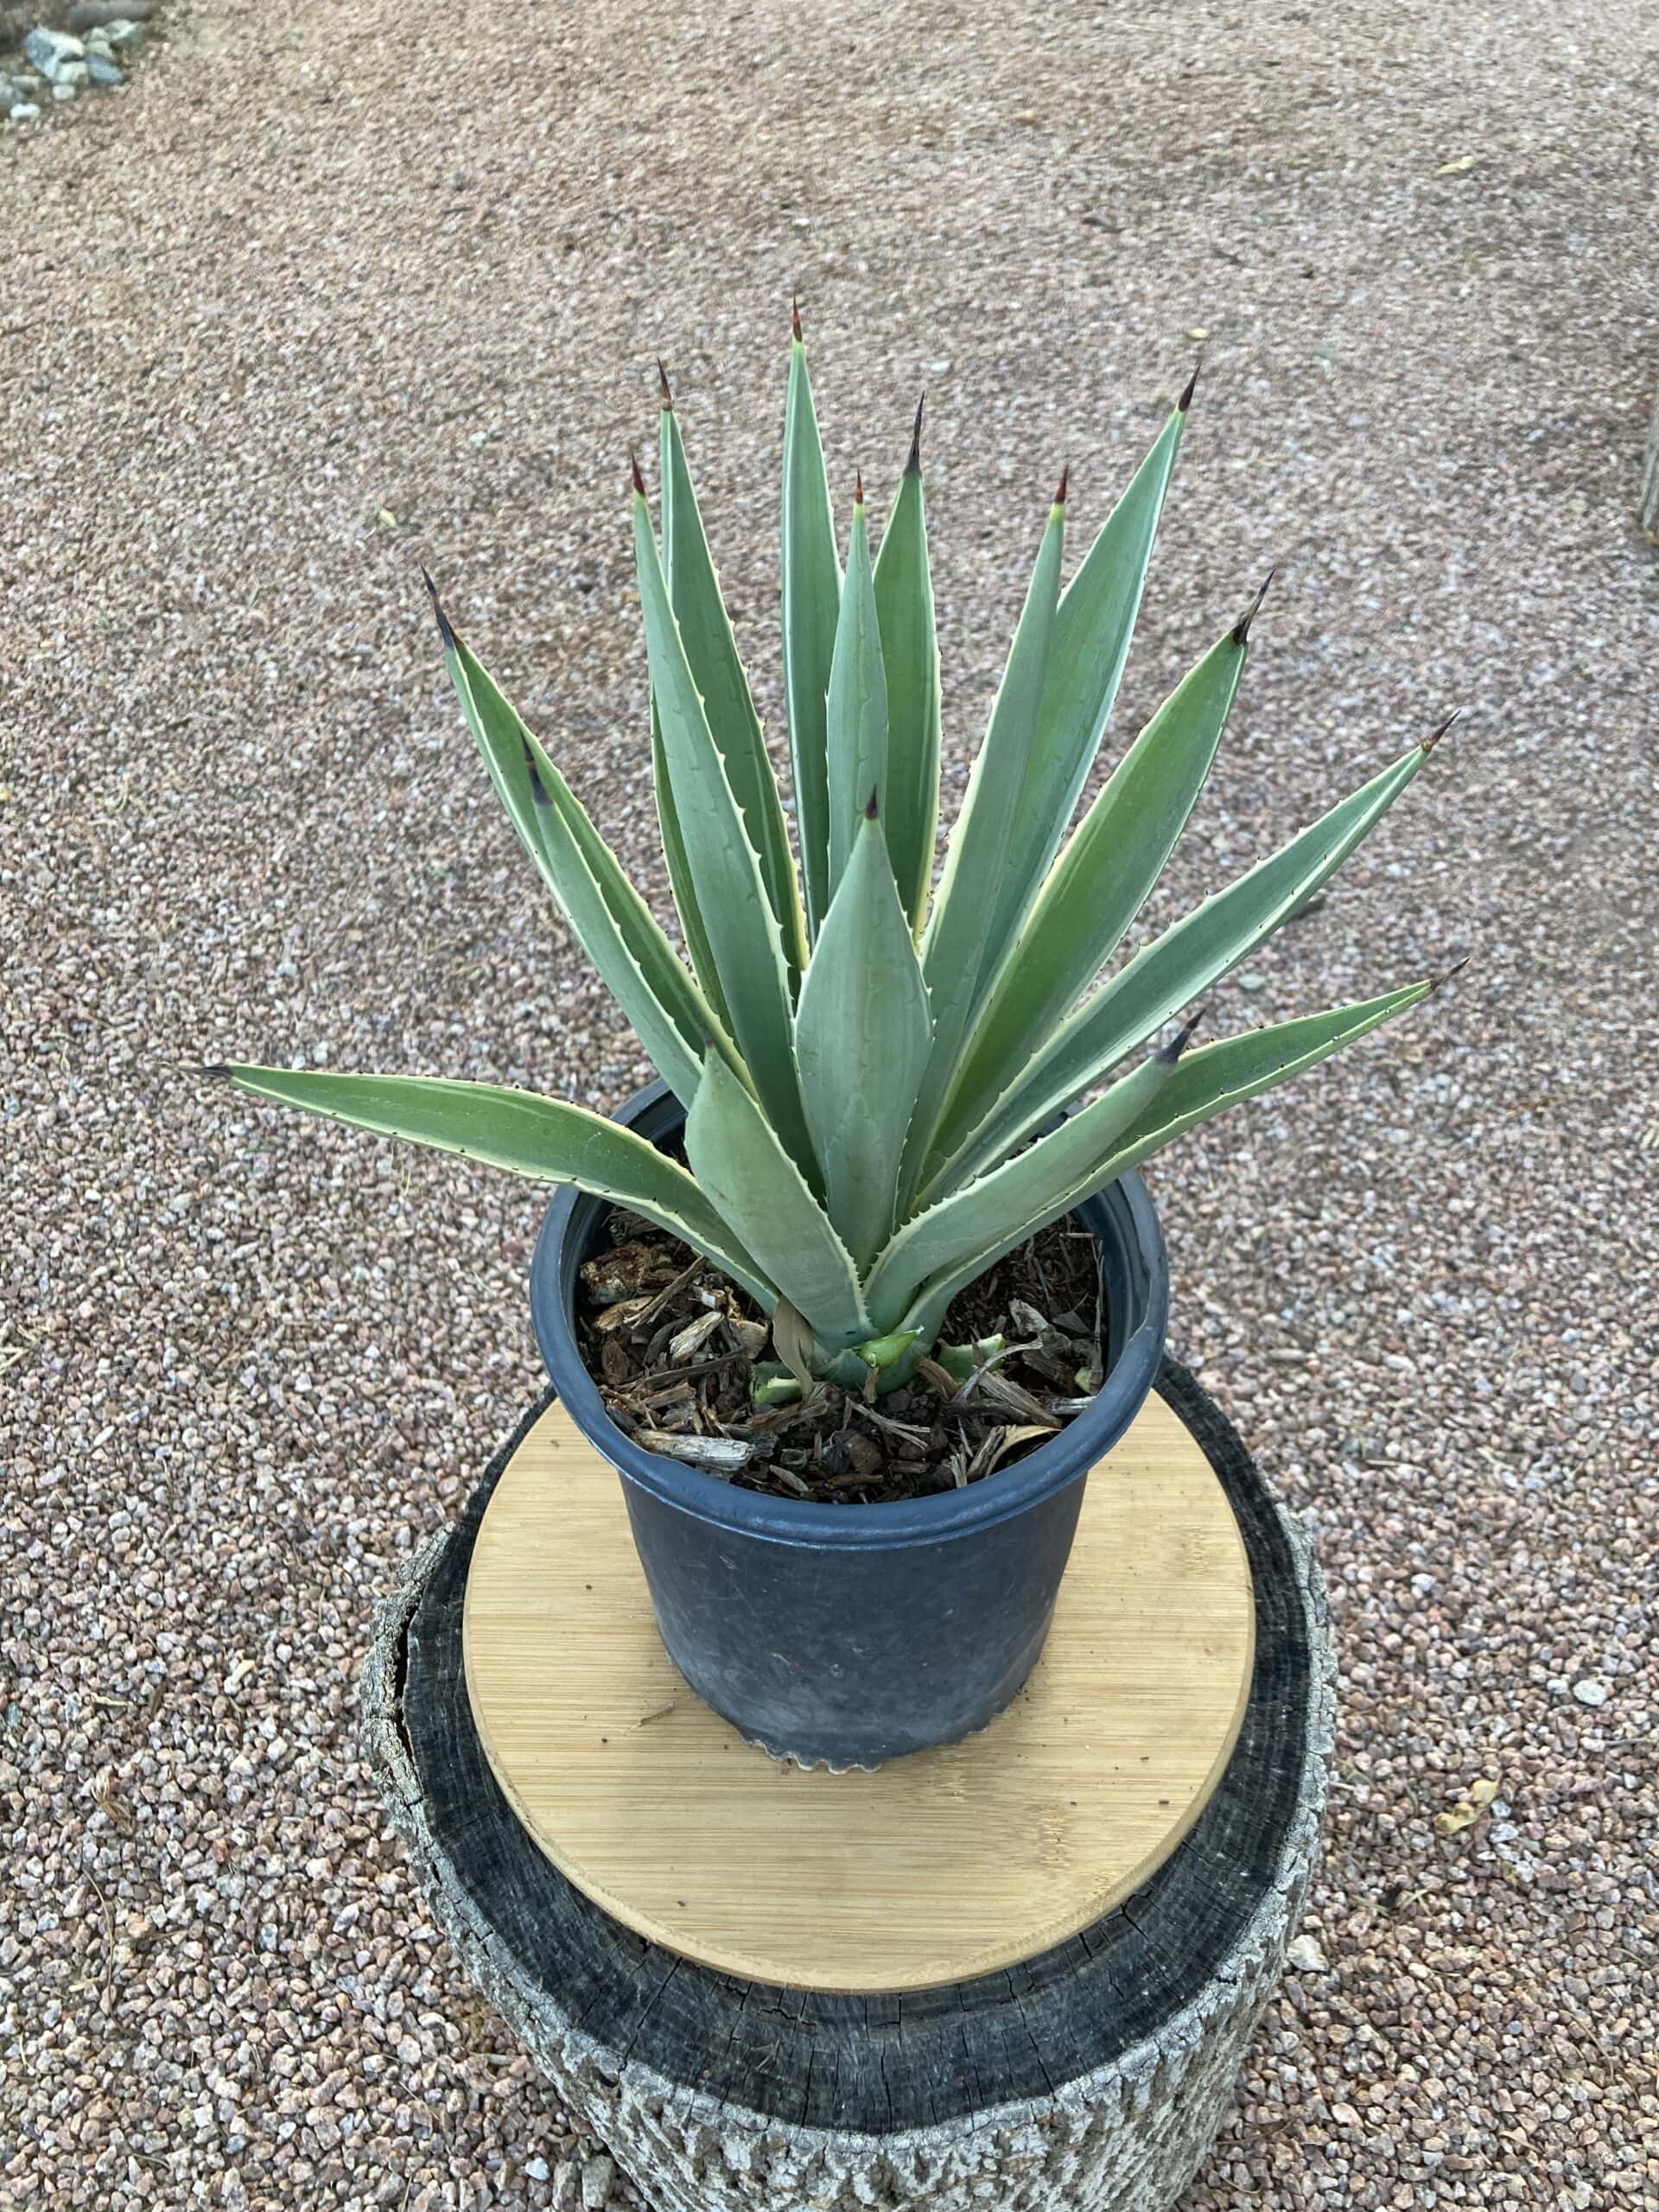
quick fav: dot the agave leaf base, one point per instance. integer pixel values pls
(1094, 2075)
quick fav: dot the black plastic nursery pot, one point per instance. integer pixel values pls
(847, 1635)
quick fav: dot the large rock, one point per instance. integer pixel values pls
(103, 71)
(52, 52)
(598, 2181)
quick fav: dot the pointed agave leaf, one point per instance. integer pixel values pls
(679, 878)
(1092, 632)
(862, 1035)
(544, 1138)
(711, 649)
(910, 653)
(725, 874)
(972, 1220)
(617, 930)
(1168, 974)
(954, 945)
(811, 607)
(1099, 884)
(856, 721)
(1206, 1084)
(753, 1183)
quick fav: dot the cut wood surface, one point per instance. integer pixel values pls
(937, 1867)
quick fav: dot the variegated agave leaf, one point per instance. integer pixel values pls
(871, 1069)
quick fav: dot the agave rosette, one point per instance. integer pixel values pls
(875, 1069)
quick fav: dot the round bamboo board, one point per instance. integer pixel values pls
(934, 1869)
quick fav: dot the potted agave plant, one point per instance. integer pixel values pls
(869, 1081)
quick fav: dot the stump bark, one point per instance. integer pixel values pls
(1647, 504)
(1094, 2076)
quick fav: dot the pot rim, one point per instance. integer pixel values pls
(1132, 1358)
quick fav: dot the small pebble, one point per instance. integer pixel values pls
(51, 51)
(597, 2181)
(1590, 1691)
(103, 71)
(1306, 1956)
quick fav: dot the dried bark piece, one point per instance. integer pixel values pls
(715, 1455)
(626, 1271)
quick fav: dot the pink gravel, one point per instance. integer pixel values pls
(331, 291)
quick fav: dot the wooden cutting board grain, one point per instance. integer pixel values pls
(936, 1868)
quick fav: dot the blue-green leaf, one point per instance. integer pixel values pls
(1204, 1084)
(861, 1036)
(812, 607)
(1098, 885)
(706, 631)
(679, 878)
(1173, 970)
(910, 653)
(755, 1187)
(973, 1220)
(1093, 628)
(855, 728)
(954, 947)
(742, 930)
(546, 1139)
(638, 965)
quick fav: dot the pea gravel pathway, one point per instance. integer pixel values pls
(332, 290)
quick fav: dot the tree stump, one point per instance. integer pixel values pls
(1093, 2073)
(1647, 504)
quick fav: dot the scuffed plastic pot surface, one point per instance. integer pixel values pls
(843, 1636)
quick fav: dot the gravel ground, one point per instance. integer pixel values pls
(334, 290)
